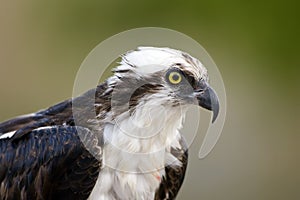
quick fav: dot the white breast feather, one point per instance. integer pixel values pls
(133, 167)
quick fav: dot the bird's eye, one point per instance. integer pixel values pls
(174, 77)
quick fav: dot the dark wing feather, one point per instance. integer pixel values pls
(18, 122)
(174, 176)
(62, 113)
(55, 115)
(49, 163)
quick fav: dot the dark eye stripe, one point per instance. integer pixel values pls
(190, 78)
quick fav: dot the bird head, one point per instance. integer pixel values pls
(162, 76)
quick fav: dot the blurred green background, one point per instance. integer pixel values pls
(255, 44)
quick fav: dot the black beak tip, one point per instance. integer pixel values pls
(209, 100)
(215, 110)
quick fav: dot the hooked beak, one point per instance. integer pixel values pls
(208, 99)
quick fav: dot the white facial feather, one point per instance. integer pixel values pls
(147, 60)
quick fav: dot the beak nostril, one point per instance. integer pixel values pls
(199, 90)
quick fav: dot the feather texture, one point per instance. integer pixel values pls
(118, 141)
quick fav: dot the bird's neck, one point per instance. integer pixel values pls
(148, 128)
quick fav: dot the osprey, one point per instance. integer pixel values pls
(130, 148)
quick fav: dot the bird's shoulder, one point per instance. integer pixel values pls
(86, 107)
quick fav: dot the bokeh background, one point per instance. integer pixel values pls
(255, 44)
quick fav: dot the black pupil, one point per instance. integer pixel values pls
(175, 77)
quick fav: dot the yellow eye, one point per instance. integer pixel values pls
(175, 77)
